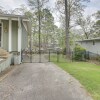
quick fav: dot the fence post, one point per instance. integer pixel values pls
(49, 55)
(88, 56)
(85, 55)
(57, 56)
(72, 55)
(21, 55)
(31, 56)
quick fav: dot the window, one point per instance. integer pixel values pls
(0, 33)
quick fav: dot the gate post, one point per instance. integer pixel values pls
(31, 56)
(49, 55)
(57, 56)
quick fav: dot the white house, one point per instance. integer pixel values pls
(14, 31)
(91, 45)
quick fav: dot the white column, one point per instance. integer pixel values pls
(19, 38)
(19, 35)
(10, 36)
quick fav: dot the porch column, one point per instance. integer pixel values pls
(19, 38)
(10, 36)
(19, 34)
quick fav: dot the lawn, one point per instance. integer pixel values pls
(87, 73)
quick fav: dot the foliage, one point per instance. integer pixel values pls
(97, 28)
(86, 25)
(75, 9)
(97, 14)
(69, 9)
(34, 4)
(79, 53)
(96, 25)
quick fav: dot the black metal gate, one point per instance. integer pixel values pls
(35, 56)
(42, 56)
(39, 52)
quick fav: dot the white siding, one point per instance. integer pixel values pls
(88, 45)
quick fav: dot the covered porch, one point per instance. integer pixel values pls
(14, 31)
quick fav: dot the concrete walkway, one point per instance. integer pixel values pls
(41, 81)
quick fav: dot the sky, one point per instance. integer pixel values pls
(11, 4)
(91, 8)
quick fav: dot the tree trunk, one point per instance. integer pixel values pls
(67, 30)
(39, 20)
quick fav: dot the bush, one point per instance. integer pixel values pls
(79, 53)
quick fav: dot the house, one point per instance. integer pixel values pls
(91, 45)
(14, 31)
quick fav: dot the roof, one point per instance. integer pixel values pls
(6, 16)
(12, 15)
(93, 39)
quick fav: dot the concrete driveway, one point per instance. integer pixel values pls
(41, 81)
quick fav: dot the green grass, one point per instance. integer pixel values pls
(87, 73)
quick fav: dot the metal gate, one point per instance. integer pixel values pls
(39, 51)
(42, 56)
(35, 56)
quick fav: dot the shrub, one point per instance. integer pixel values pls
(79, 53)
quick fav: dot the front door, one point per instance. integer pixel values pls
(0, 33)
